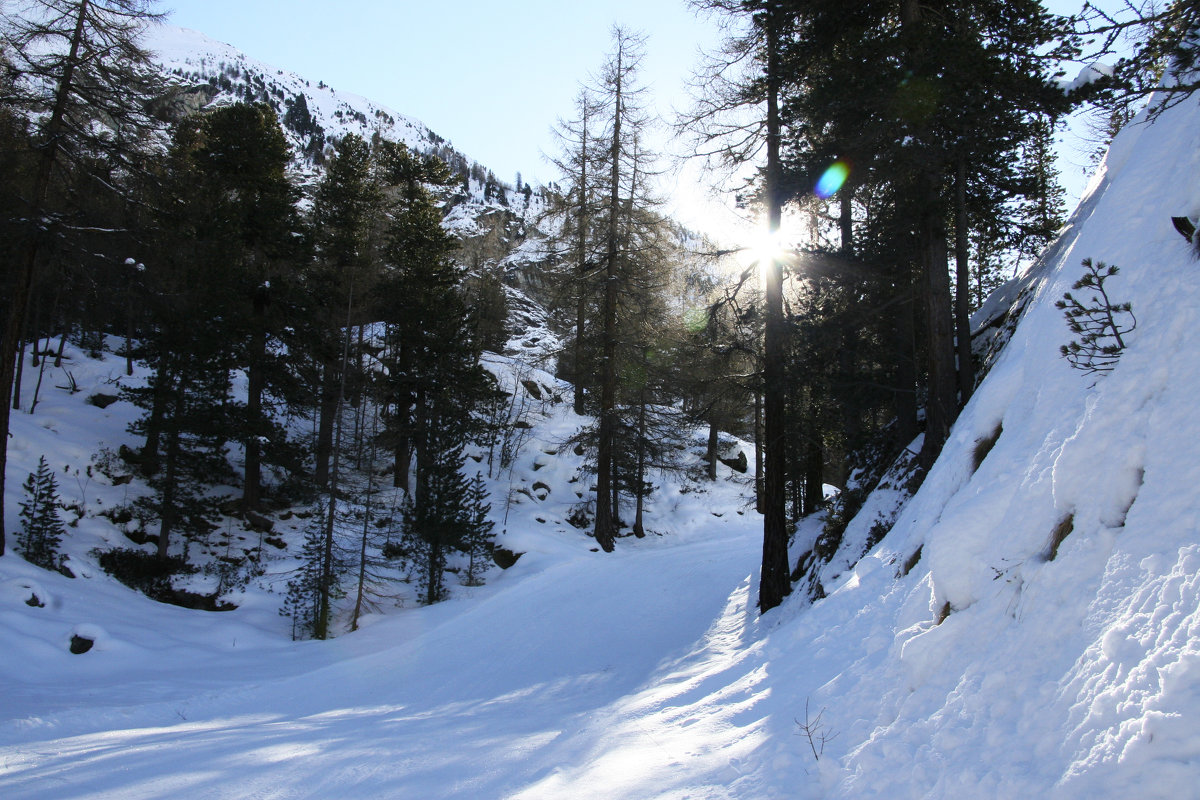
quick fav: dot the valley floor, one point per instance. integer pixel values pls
(638, 674)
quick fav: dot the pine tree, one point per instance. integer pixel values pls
(41, 529)
(243, 218)
(189, 342)
(1100, 324)
(346, 218)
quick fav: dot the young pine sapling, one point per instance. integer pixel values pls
(1100, 324)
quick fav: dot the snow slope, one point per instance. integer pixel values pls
(989, 670)
(194, 56)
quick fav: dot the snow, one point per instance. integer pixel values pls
(1089, 73)
(989, 670)
(191, 51)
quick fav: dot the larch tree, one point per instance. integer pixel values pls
(625, 122)
(579, 162)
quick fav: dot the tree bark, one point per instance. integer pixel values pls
(962, 286)
(604, 528)
(581, 264)
(328, 411)
(710, 454)
(942, 402)
(758, 452)
(639, 483)
(774, 580)
(255, 386)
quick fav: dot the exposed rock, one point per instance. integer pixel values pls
(182, 101)
(258, 522)
(101, 400)
(737, 464)
(505, 558)
(533, 389)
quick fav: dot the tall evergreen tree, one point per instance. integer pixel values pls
(623, 231)
(580, 163)
(738, 119)
(477, 538)
(250, 223)
(345, 223)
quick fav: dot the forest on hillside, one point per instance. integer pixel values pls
(306, 343)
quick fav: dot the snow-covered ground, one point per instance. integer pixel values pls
(990, 670)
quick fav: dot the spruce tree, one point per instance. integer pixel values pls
(310, 589)
(41, 530)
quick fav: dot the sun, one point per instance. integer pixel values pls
(768, 246)
(762, 248)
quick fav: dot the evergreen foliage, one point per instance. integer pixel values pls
(41, 529)
(1100, 324)
(144, 572)
(309, 586)
(477, 531)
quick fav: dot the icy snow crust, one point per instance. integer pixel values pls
(647, 673)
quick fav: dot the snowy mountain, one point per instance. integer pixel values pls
(500, 227)
(211, 72)
(1029, 627)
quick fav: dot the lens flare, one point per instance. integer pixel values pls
(832, 179)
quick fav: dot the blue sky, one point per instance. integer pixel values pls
(492, 76)
(489, 75)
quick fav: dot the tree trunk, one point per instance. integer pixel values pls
(170, 483)
(639, 484)
(581, 266)
(20, 367)
(846, 220)
(774, 583)
(814, 473)
(255, 386)
(402, 422)
(758, 451)
(330, 382)
(604, 529)
(710, 454)
(942, 404)
(962, 286)
(325, 586)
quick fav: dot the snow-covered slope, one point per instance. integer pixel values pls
(1002, 665)
(1061, 670)
(196, 60)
